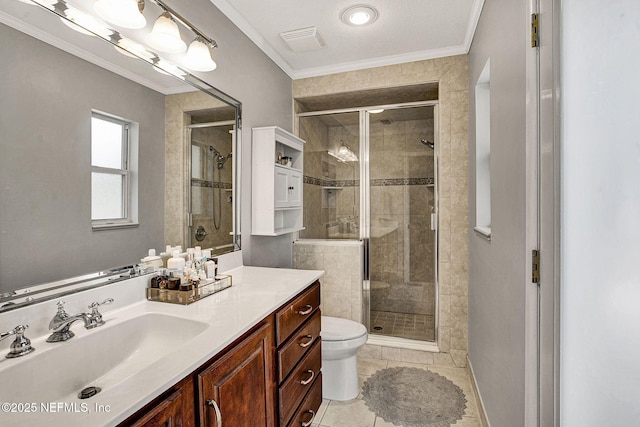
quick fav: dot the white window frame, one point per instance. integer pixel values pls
(483, 152)
(129, 167)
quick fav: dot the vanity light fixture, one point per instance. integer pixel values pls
(132, 49)
(122, 13)
(165, 35)
(359, 15)
(166, 67)
(199, 56)
(84, 23)
(48, 4)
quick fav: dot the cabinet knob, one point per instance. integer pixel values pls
(212, 403)
(308, 380)
(290, 188)
(308, 423)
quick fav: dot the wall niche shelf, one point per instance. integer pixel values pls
(276, 190)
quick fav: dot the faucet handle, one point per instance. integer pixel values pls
(95, 319)
(94, 305)
(21, 345)
(60, 305)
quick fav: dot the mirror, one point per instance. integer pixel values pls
(54, 78)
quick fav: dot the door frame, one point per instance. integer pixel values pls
(542, 300)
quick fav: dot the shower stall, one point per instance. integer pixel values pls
(211, 208)
(372, 175)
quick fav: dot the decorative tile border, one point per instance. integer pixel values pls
(323, 182)
(210, 184)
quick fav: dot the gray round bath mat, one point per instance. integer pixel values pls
(413, 397)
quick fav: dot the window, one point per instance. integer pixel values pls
(483, 152)
(112, 171)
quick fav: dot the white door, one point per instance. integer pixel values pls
(295, 189)
(281, 190)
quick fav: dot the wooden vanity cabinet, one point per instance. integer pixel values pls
(269, 377)
(238, 388)
(174, 409)
(298, 354)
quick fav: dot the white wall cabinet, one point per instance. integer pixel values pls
(276, 189)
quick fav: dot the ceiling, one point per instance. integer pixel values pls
(406, 30)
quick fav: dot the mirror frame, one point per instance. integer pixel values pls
(18, 298)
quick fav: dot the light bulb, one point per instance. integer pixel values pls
(123, 13)
(165, 35)
(199, 56)
(84, 23)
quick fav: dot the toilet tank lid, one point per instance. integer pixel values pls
(336, 329)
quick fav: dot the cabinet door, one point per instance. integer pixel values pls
(167, 413)
(295, 188)
(281, 196)
(239, 388)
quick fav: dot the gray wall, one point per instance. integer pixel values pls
(247, 74)
(46, 98)
(496, 285)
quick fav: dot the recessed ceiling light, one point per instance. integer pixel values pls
(359, 15)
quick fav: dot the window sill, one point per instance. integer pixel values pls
(114, 226)
(484, 232)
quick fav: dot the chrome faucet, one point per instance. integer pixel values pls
(21, 345)
(61, 322)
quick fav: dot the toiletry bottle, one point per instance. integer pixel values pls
(211, 268)
(176, 263)
(166, 255)
(152, 261)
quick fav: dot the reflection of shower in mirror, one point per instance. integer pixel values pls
(428, 143)
(220, 159)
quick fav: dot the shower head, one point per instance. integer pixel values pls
(429, 144)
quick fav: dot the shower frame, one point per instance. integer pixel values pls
(365, 216)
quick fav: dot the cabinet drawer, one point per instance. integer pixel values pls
(299, 343)
(309, 407)
(289, 318)
(299, 383)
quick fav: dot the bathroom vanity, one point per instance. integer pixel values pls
(249, 355)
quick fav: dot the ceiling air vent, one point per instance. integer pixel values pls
(303, 40)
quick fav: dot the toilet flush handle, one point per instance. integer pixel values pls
(308, 309)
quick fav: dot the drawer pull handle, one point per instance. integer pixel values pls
(307, 381)
(308, 309)
(308, 423)
(214, 405)
(308, 343)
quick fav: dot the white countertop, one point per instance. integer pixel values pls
(256, 292)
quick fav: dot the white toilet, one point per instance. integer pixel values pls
(341, 339)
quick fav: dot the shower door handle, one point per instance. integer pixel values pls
(434, 221)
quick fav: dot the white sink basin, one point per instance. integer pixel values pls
(101, 357)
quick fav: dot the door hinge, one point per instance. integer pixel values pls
(535, 36)
(535, 266)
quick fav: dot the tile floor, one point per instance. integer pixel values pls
(355, 413)
(411, 326)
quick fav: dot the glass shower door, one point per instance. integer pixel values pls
(402, 235)
(332, 176)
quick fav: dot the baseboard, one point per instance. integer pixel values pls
(484, 420)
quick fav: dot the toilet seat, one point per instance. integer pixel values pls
(336, 329)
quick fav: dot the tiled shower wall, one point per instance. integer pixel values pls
(341, 290)
(451, 73)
